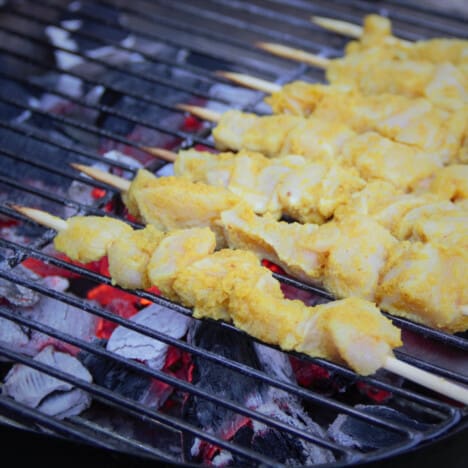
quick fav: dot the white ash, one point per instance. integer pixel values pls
(16, 294)
(134, 345)
(51, 312)
(44, 392)
(166, 170)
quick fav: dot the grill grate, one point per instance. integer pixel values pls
(192, 41)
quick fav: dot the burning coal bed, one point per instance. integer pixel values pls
(97, 350)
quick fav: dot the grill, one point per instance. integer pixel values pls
(79, 79)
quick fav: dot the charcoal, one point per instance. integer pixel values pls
(134, 345)
(49, 394)
(353, 432)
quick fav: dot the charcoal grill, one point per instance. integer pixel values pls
(128, 92)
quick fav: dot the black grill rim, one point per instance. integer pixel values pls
(454, 417)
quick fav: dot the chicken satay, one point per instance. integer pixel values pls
(377, 32)
(340, 330)
(345, 257)
(451, 183)
(371, 72)
(86, 239)
(178, 249)
(175, 202)
(232, 285)
(407, 120)
(326, 141)
(426, 283)
(288, 186)
(129, 255)
(409, 216)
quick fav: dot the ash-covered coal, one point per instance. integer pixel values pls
(62, 317)
(354, 432)
(44, 392)
(248, 392)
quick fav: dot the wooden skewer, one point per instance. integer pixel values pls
(202, 112)
(338, 26)
(114, 181)
(392, 364)
(161, 153)
(294, 54)
(343, 27)
(250, 81)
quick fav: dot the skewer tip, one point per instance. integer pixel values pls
(338, 26)
(41, 217)
(294, 54)
(161, 153)
(114, 181)
(202, 112)
(249, 81)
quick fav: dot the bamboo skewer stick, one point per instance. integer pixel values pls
(250, 81)
(294, 54)
(162, 153)
(202, 112)
(344, 28)
(426, 379)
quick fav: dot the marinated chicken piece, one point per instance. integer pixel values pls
(176, 251)
(279, 135)
(313, 193)
(286, 186)
(412, 121)
(384, 203)
(175, 202)
(451, 182)
(442, 222)
(426, 283)
(202, 285)
(286, 244)
(352, 331)
(358, 250)
(379, 158)
(377, 32)
(233, 286)
(372, 72)
(129, 255)
(326, 142)
(250, 175)
(346, 257)
(87, 238)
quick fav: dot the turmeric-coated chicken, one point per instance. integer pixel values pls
(233, 285)
(326, 141)
(288, 186)
(175, 202)
(345, 257)
(424, 216)
(371, 71)
(377, 32)
(178, 249)
(426, 283)
(87, 238)
(411, 121)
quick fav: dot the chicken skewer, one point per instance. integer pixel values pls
(375, 157)
(184, 266)
(371, 72)
(350, 331)
(414, 121)
(377, 32)
(331, 254)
